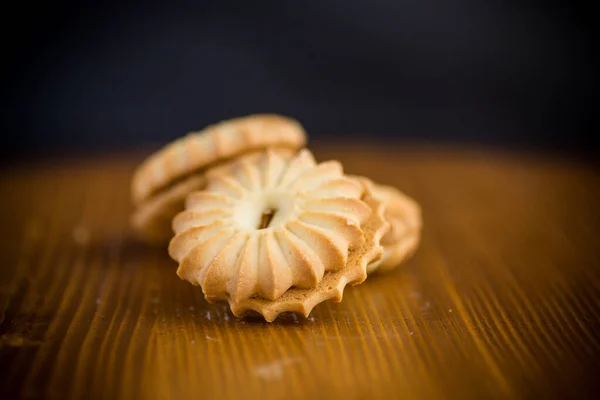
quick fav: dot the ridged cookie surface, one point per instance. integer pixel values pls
(403, 237)
(224, 140)
(332, 285)
(272, 222)
(152, 219)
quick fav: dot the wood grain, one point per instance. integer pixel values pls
(500, 301)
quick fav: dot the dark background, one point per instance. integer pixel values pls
(105, 75)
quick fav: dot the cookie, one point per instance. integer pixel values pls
(198, 150)
(403, 237)
(272, 223)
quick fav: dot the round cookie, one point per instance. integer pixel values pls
(221, 141)
(277, 234)
(404, 216)
(272, 223)
(403, 237)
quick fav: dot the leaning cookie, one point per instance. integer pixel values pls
(224, 140)
(161, 183)
(404, 215)
(277, 234)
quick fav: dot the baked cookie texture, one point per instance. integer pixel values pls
(162, 181)
(221, 141)
(332, 286)
(254, 220)
(404, 215)
(313, 219)
(152, 219)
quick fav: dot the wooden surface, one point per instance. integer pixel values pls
(500, 301)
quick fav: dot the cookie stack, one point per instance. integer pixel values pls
(253, 219)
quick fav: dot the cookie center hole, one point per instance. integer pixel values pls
(266, 218)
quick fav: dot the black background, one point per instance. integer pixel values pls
(105, 75)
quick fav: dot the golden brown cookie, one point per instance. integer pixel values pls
(224, 140)
(273, 222)
(403, 237)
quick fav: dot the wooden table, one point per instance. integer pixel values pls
(500, 301)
